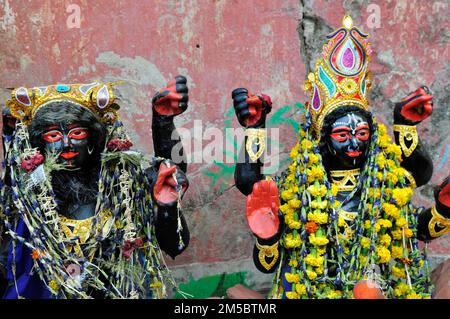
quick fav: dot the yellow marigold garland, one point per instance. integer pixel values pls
(385, 222)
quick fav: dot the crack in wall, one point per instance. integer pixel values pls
(312, 31)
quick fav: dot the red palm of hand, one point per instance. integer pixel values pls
(165, 190)
(262, 209)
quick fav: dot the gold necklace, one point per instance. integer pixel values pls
(82, 229)
(345, 180)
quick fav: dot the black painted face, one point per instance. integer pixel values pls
(71, 142)
(348, 141)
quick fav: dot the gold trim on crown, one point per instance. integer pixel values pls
(341, 76)
(96, 96)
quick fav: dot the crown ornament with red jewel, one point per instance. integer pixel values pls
(341, 75)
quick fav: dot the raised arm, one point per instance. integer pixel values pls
(168, 103)
(262, 204)
(417, 106)
(412, 110)
(251, 111)
(168, 176)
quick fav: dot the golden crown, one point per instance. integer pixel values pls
(341, 76)
(97, 97)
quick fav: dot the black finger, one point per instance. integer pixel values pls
(244, 113)
(241, 106)
(267, 106)
(180, 79)
(183, 106)
(238, 91)
(184, 97)
(182, 88)
(426, 89)
(160, 95)
(412, 98)
(240, 98)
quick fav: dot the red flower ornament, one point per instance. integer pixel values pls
(30, 163)
(119, 145)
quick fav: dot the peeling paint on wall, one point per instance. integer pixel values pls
(7, 18)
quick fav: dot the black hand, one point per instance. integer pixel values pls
(416, 107)
(245, 104)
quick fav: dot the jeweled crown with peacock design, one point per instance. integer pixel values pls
(97, 97)
(341, 75)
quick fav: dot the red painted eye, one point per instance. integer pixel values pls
(340, 136)
(78, 133)
(52, 136)
(363, 135)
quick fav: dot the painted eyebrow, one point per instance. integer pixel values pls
(77, 128)
(71, 126)
(362, 126)
(53, 127)
(341, 128)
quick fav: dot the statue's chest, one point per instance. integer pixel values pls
(80, 227)
(348, 215)
(349, 205)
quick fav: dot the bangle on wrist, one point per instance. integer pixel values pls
(439, 220)
(255, 137)
(408, 133)
(267, 251)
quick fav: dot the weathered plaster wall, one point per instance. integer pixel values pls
(265, 45)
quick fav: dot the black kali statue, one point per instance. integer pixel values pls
(339, 222)
(83, 215)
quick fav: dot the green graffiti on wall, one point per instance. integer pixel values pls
(222, 173)
(211, 286)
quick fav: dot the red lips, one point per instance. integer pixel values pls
(69, 155)
(353, 153)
